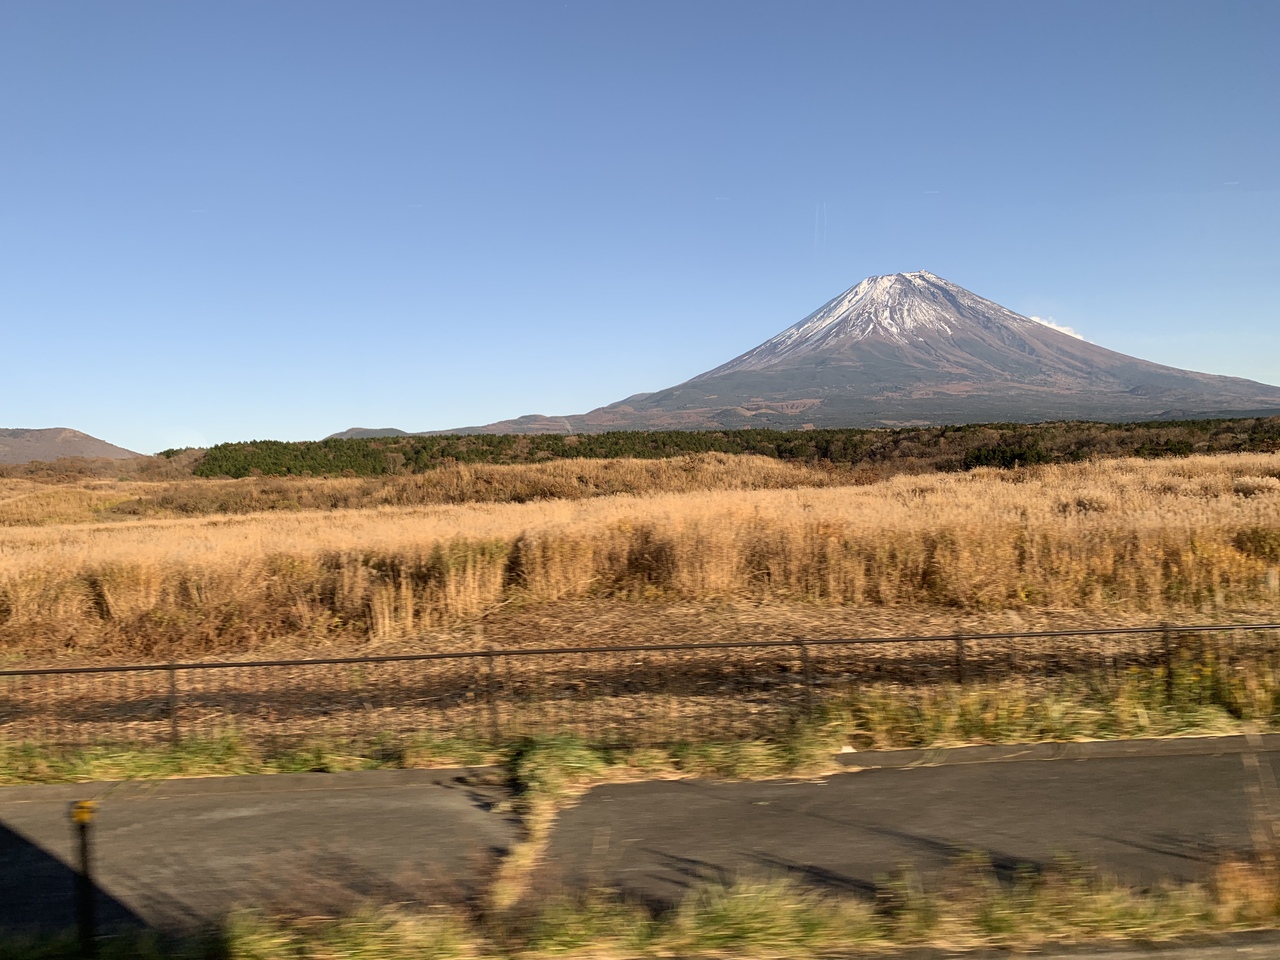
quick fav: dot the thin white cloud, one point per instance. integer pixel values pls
(1054, 325)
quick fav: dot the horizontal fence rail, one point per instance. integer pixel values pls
(651, 694)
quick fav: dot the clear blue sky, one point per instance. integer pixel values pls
(227, 220)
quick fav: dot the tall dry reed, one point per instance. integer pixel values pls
(25, 502)
(1195, 534)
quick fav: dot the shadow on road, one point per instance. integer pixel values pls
(1005, 867)
(808, 874)
(37, 892)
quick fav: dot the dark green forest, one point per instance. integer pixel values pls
(940, 448)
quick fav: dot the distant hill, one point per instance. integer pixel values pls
(915, 349)
(364, 433)
(55, 443)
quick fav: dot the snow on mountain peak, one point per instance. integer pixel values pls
(899, 308)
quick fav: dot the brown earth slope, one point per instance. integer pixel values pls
(54, 443)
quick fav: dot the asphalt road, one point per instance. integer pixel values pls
(178, 854)
(1140, 819)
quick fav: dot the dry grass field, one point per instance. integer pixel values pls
(133, 570)
(82, 499)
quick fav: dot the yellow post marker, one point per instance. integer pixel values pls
(82, 814)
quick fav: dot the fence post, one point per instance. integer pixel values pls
(1168, 663)
(807, 665)
(173, 704)
(491, 694)
(960, 660)
(82, 813)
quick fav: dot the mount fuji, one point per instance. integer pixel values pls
(913, 348)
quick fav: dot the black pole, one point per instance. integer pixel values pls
(807, 666)
(491, 694)
(173, 704)
(86, 920)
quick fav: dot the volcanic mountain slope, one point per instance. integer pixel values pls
(913, 348)
(24, 446)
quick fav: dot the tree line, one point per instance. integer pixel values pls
(961, 447)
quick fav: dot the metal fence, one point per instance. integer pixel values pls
(649, 694)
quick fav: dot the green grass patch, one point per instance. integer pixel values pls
(231, 756)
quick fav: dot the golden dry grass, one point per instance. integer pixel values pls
(25, 502)
(1120, 538)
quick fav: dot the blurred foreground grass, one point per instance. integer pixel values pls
(1067, 904)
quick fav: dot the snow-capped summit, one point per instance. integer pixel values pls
(901, 308)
